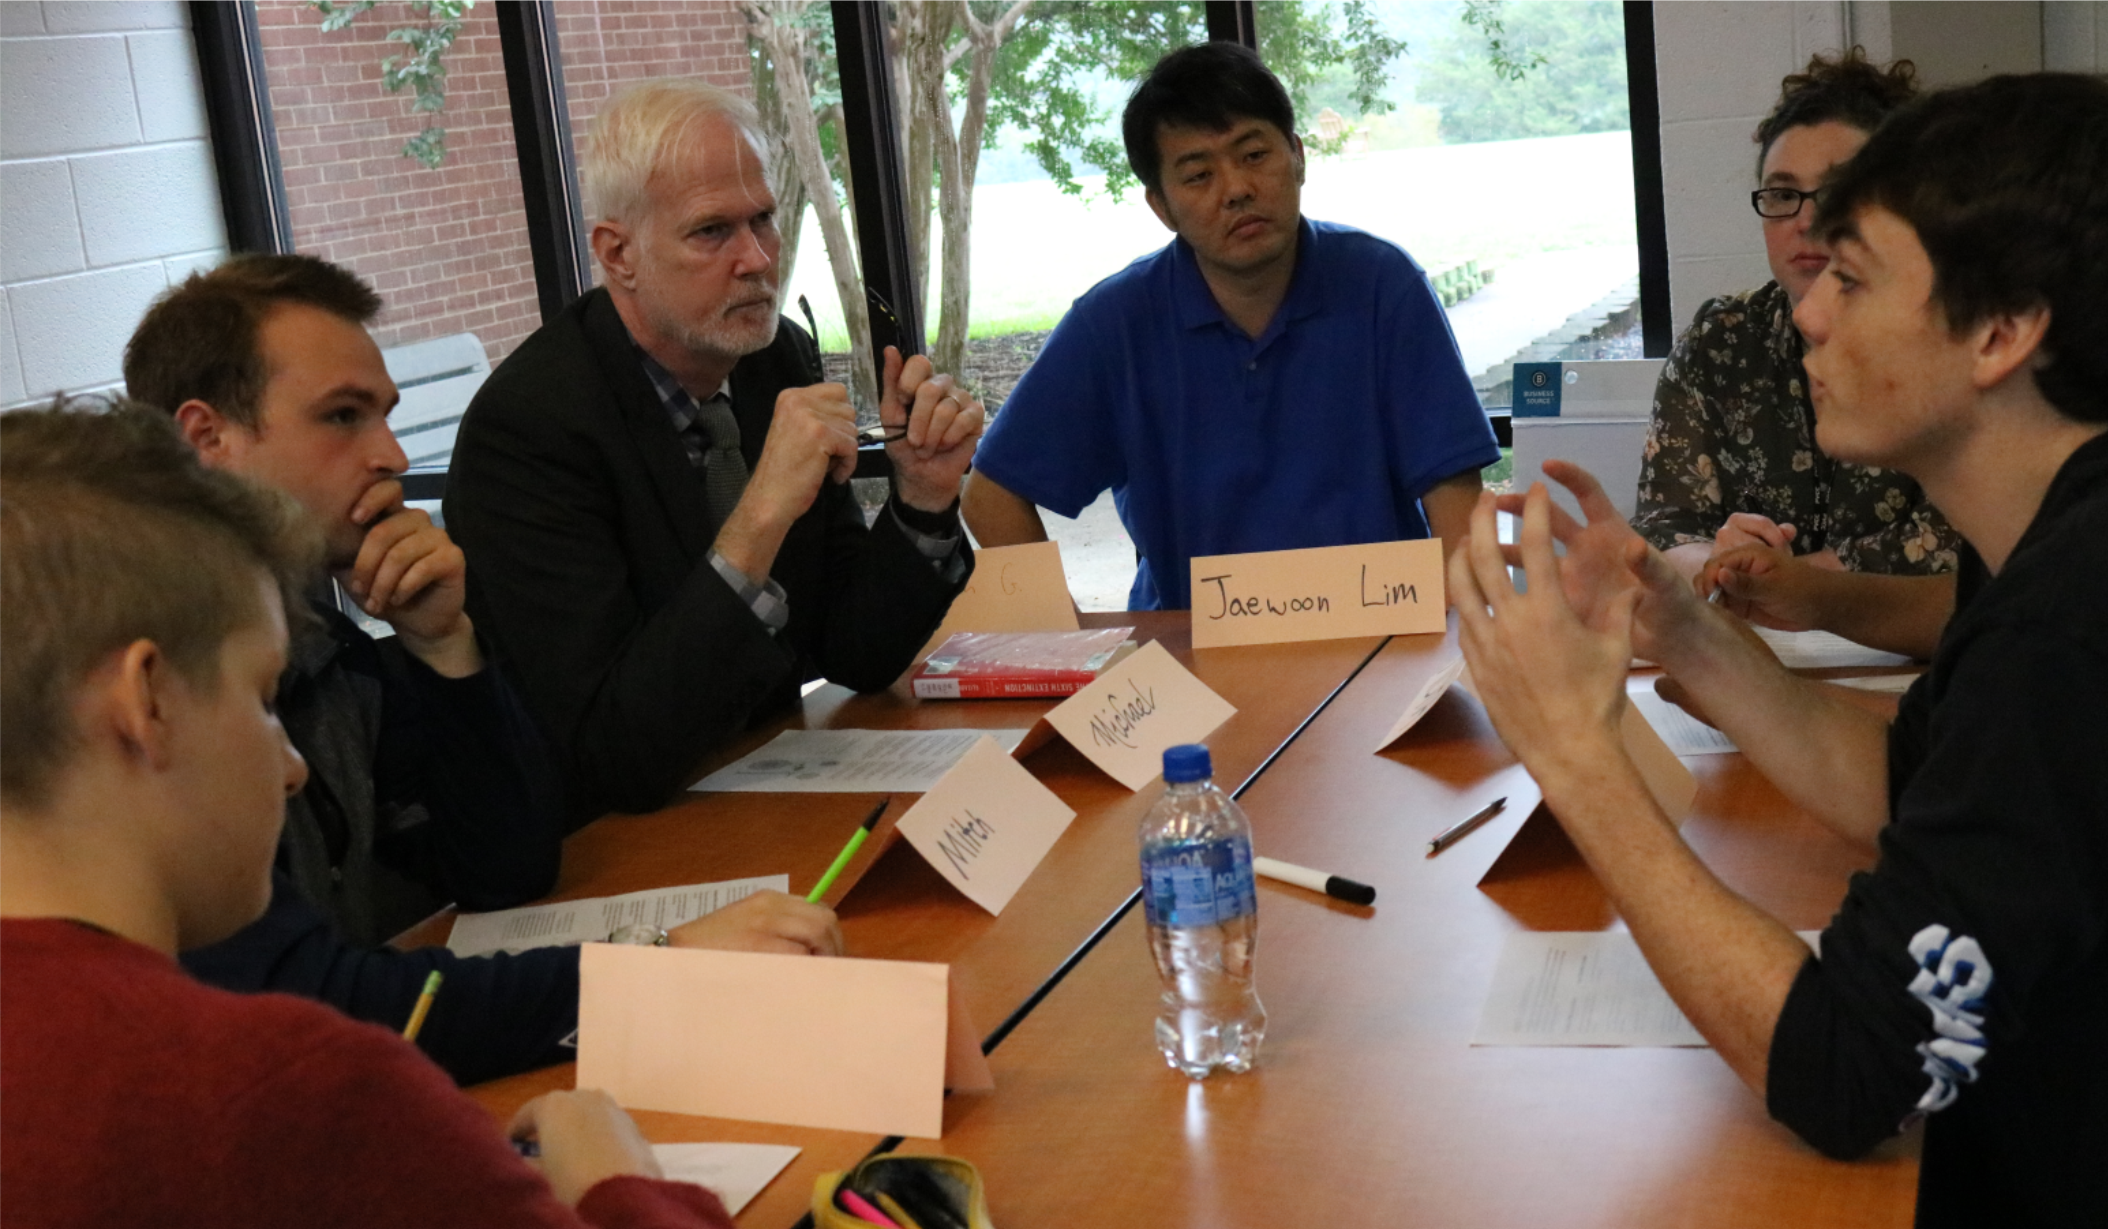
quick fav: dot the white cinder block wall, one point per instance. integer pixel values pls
(1718, 67)
(2075, 36)
(107, 191)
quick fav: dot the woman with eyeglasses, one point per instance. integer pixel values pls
(1732, 487)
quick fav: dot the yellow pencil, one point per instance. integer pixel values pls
(424, 1005)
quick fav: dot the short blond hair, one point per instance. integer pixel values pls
(644, 125)
(111, 532)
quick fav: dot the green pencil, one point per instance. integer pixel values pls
(841, 860)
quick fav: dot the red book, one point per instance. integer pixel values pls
(1019, 665)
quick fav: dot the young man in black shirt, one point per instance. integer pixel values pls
(1960, 335)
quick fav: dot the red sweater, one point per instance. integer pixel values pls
(131, 1095)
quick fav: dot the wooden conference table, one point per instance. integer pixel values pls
(1369, 1105)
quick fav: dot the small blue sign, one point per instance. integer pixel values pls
(1536, 390)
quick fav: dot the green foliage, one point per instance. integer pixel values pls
(1578, 85)
(823, 77)
(1046, 73)
(423, 68)
(1485, 16)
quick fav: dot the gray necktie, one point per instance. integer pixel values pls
(724, 469)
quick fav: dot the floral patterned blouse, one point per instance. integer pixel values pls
(1734, 431)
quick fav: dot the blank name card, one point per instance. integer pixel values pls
(842, 1044)
(986, 825)
(1666, 778)
(1432, 690)
(1013, 589)
(1137, 708)
(1324, 593)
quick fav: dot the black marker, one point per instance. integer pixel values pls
(1317, 881)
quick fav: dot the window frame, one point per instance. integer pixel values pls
(252, 185)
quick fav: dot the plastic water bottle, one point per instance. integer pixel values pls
(1203, 919)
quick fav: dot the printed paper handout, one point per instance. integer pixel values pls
(1817, 650)
(851, 761)
(1684, 734)
(737, 1172)
(596, 917)
(1582, 988)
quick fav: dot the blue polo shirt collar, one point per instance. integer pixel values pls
(1196, 307)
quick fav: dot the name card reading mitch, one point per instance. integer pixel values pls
(1323, 593)
(986, 825)
(1013, 589)
(1137, 708)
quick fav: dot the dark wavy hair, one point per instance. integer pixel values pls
(2006, 184)
(1205, 86)
(1847, 90)
(199, 340)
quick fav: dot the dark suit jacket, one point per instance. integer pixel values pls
(588, 534)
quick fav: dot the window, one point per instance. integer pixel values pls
(1420, 131)
(445, 244)
(1499, 155)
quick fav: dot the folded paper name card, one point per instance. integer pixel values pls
(1324, 593)
(1137, 708)
(1013, 589)
(841, 1044)
(986, 825)
(1667, 779)
(1437, 685)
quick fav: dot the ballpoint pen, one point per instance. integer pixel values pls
(1458, 831)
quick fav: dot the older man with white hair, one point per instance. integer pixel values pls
(652, 490)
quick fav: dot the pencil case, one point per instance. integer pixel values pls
(914, 1192)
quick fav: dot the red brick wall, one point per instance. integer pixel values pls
(447, 248)
(609, 43)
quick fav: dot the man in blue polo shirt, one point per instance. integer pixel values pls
(1265, 382)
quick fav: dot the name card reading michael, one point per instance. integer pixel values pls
(986, 825)
(1323, 593)
(1137, 708)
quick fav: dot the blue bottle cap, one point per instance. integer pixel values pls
(1187, 763)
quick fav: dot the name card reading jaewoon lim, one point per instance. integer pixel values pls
(1323, 593)
(986, 825)
(1137, 708)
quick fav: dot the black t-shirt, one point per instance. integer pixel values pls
(1965, 978)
